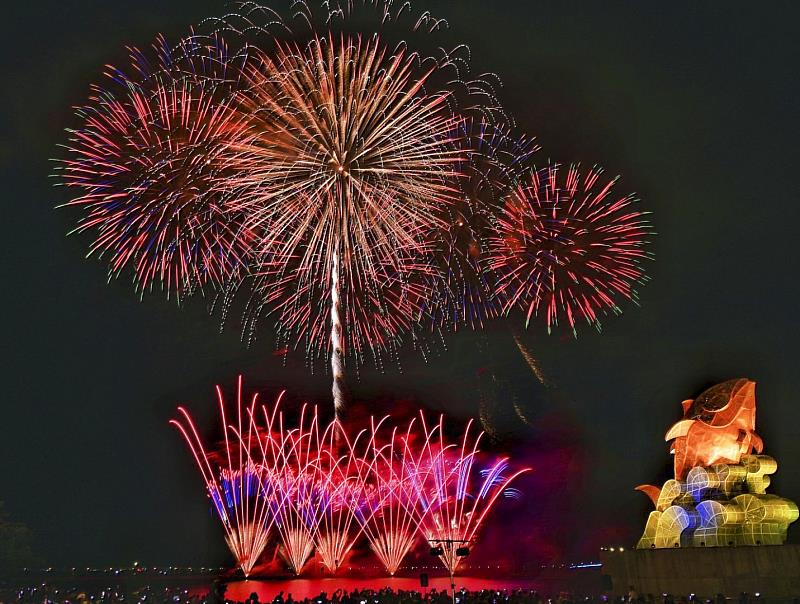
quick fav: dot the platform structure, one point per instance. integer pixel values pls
(772, 571)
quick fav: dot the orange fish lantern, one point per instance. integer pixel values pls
(718, 427)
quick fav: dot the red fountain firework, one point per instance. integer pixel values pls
(233, 482)
(302, 488)
(567, 247)
(392, 512)
(309, 482)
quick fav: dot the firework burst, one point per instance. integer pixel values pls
(348, 171)
(568, 247)
(315, 163)
(145, 159)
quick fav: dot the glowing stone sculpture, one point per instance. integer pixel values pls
(718, 496)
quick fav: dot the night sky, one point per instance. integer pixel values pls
(694, 105)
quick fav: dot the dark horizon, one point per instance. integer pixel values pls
(692, 105)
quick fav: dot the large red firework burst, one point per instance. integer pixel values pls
(145, 158)
(567, 246)
(363, 194)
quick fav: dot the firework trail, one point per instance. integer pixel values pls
(567, 247)
(529, 358)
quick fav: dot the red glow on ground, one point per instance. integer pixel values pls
(308, 588)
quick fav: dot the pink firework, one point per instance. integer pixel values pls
(305, 486)
(568, 247)
(391, 511)
(310, 480)
(234, 480)
(457, 495)
(146, 158)
(315, 168)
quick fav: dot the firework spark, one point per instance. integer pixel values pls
(568, 247)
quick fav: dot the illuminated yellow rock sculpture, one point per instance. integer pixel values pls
(719, 494)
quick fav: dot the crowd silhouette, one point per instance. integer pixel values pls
(49, 594)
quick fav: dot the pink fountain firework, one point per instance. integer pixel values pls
(233, 482)
(568, 247)
(303, 488)
(457, 501)
(392, 510)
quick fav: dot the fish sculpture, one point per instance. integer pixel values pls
(717, 427)
(719, 494)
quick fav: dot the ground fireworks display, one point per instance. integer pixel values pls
(308, 486)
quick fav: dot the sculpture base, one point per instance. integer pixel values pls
(771, 571)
